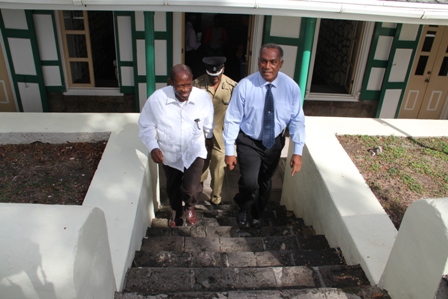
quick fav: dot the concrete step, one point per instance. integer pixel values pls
(224, 215)
(321, 257)
(217, 259)
(229, 231)
(156, 280)
(363, 292)
(233, 244)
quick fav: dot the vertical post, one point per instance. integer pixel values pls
(150, 53)
(306, 54)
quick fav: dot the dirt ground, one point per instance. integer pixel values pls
(48, 173)
(400, 170)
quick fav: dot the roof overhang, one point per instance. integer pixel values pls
(370, 10)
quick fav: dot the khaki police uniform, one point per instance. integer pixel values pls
(221, 99)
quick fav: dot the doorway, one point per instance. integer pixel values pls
(427, 89)
(337, 55)
(235, 35)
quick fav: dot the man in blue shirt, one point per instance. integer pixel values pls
(243, 126)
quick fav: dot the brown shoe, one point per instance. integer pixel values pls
(191, 216)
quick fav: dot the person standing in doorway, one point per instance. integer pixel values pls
(215, 38)
(220, 88)
(193, 49)
(173, 123)
(266, 101)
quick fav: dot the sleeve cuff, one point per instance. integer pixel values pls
(230, 150)
(298, 149)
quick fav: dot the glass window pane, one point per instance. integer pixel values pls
(80, 72)
(429, 40)
(421, 66)
(76, 45)
(444, 67)
(73, 20)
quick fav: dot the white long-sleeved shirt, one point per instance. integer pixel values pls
(191, 40)
(177, 128)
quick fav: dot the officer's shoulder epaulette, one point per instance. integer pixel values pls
(231, 82)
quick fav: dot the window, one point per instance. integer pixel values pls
(89, 46)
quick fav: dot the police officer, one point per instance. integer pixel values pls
(220, 88)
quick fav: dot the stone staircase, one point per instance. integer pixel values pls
(217, 259)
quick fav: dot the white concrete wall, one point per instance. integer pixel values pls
(330, 194)
(419, 256)
(51, 251)
(121, 186)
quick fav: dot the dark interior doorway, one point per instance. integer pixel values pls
(101, 28)
(337, 54)
(233, 47)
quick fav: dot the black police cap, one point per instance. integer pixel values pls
(214, 64)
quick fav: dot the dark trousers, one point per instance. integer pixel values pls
(184, 186)
(257, 166)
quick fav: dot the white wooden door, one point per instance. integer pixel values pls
(427, 89)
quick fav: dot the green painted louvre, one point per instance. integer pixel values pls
(397, 46)
(124, 23)
(33, 74)
(45, 20)
(296, 42)
(161, 35)
(268, 37)
(377, 63)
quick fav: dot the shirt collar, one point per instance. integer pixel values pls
(263, 82)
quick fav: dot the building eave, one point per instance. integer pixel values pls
(383, 11)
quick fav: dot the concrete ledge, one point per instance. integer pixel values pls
(121, 186)
(419, 257)
(331, 195)
(54, 252)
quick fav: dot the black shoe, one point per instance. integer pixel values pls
(255, 223)
(241, 218)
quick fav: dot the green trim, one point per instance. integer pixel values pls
(29, 34)
(7, 33)
(150, 52)
(37, 61)
(374, 95)
(413, 46)
(169, 45)
(126, 89)
(397, 44)
(50, 62)
(58, 62)
(304, 46)
(17, 33)
(309, 26)
(158, 79)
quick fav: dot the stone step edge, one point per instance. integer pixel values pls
(229, 231)
(151, 280)
(321, 257)
(365, 292)
(232, 244)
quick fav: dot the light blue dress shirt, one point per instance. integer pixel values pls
(245, 111)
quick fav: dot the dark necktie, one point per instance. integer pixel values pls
(268, 119)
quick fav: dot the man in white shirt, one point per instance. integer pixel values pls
(173, 123)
